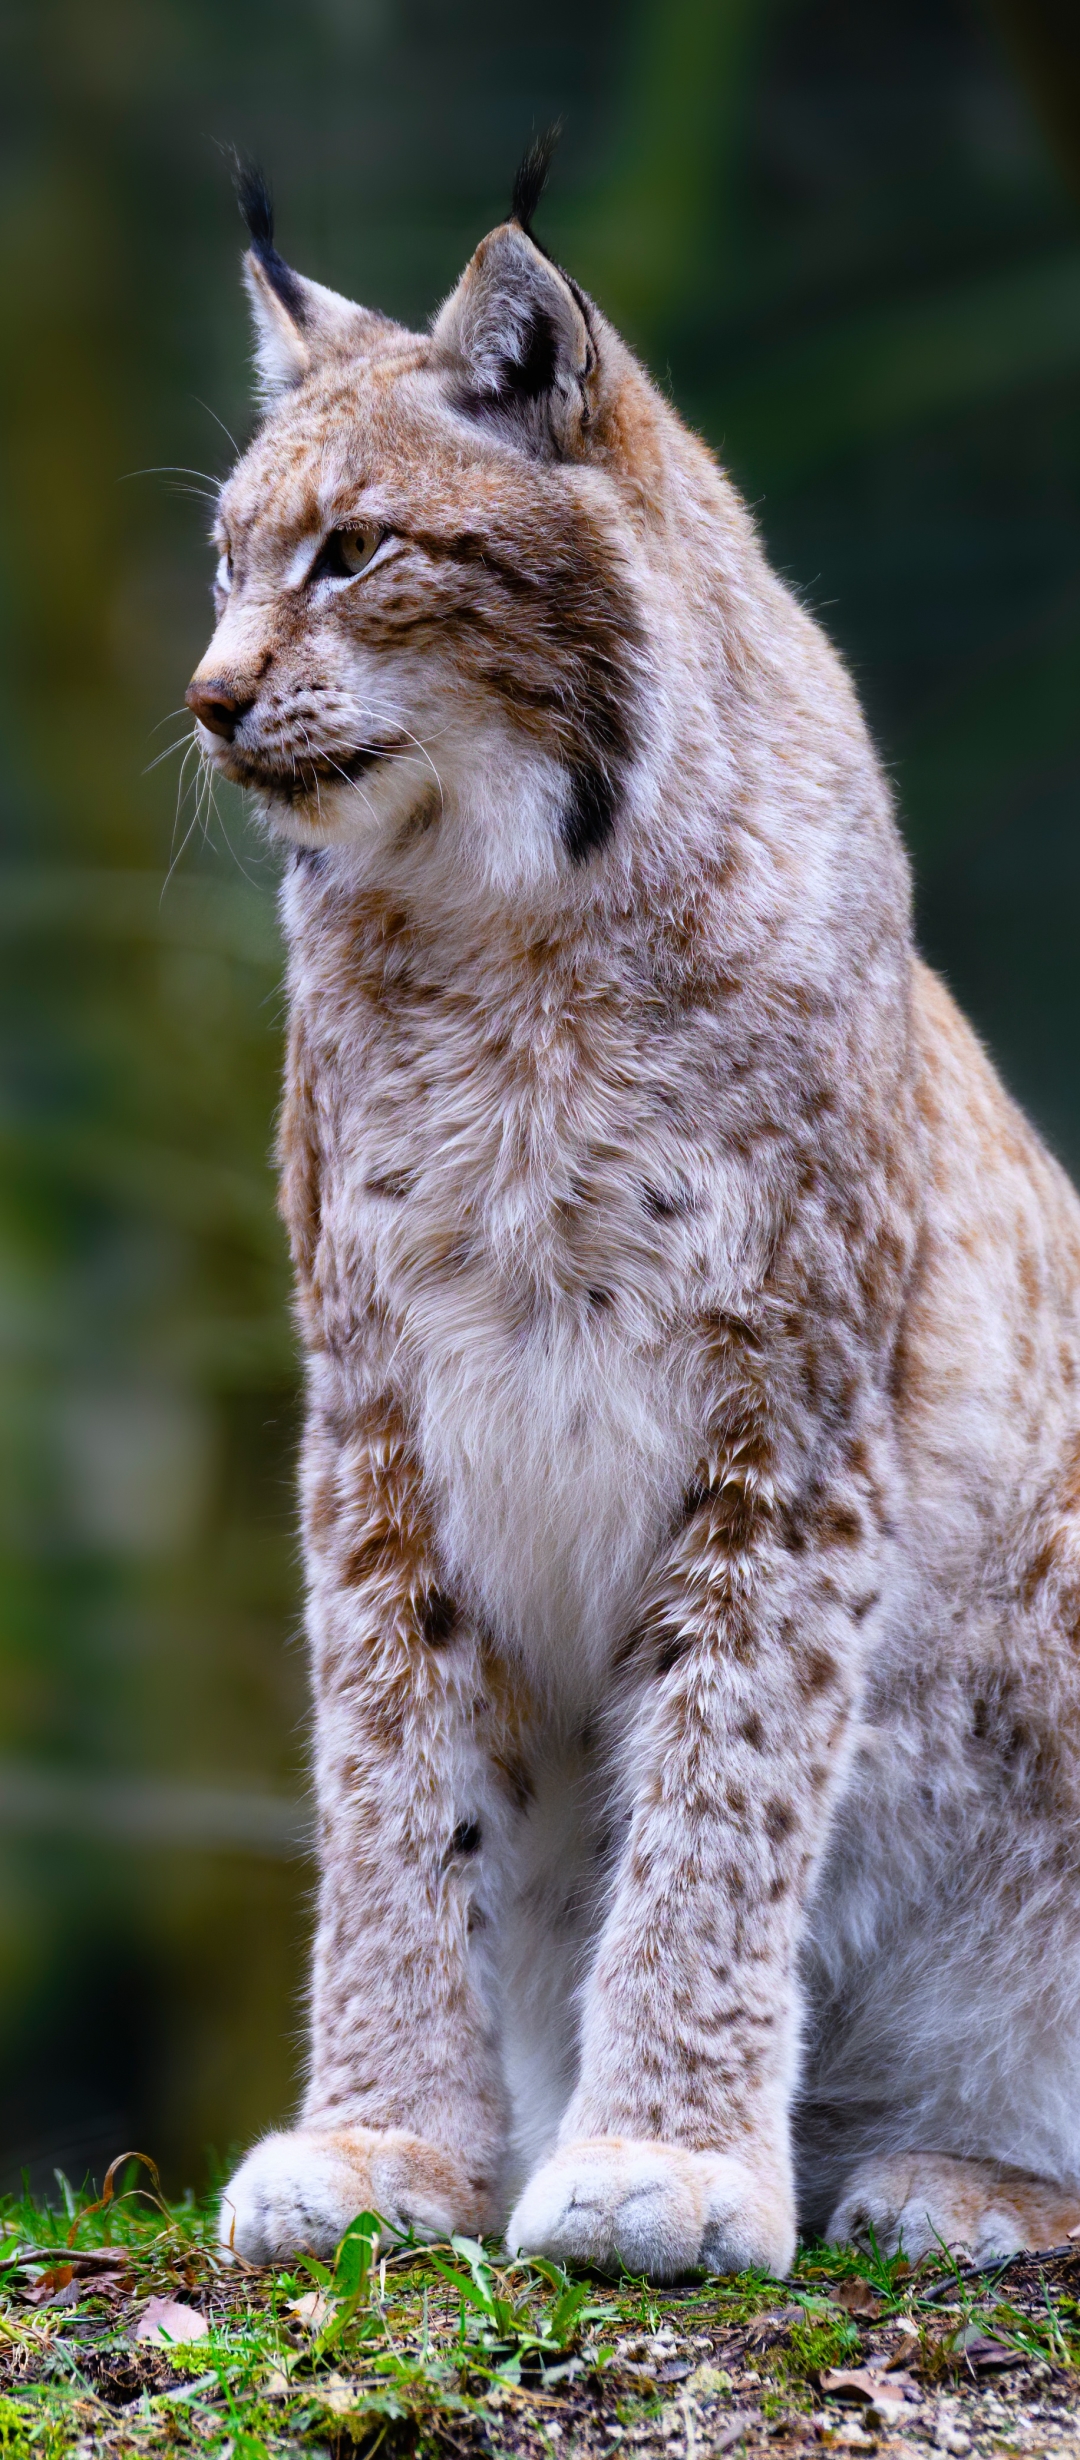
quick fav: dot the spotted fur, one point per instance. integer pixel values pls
(692, 1474)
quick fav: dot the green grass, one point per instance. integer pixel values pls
(450, 2348)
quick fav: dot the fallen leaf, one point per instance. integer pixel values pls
(899, 2357)
(857, 2379)
(856, 2298)
(894, 2380)
(765, 2328)
(311, 2309)
(58, 2277)
(981, 2349)
(165, 2322)
(68, 2295)
(868, 2383)
(336, 2395)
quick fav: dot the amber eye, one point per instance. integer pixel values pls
(347, 553)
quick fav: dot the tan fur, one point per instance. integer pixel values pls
(924, 2200)
(692, 1474)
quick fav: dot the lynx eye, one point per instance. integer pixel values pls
(348, 553)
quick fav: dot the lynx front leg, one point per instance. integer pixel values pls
(404, 2111)
(675, 2147)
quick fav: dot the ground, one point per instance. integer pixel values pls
(122, 2332)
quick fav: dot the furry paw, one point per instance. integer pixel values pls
(653, 2208)
(923, 2200)
(298, 2193)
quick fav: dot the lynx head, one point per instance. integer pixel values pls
(429, 600)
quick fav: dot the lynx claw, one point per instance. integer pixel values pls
(654, 2209)
(297, 2193)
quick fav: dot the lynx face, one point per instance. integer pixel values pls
(428, 621)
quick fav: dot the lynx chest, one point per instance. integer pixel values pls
(522, 1220)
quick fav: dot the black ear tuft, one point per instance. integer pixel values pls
(532, 177)
(257, 209)
(255, 201)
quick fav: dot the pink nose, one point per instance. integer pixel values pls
(218, 704)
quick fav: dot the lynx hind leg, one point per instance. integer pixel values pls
(922, 2200)
(297, 2193)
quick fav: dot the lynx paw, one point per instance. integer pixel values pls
(652, 2208)
(298, 2193)
(926, 2199)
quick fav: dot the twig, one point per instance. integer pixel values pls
(976, 2272)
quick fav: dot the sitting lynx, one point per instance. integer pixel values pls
(691, 1487)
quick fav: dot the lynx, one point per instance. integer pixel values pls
(691, 1486)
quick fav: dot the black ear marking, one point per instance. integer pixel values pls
(533, 371)
(589, 818)
(521, 372)
(532, 178)
(257, 210)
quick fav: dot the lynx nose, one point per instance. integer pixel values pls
(218, 704)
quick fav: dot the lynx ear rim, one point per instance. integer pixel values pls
(518, 343)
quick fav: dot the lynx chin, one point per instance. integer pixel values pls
(691, 1485)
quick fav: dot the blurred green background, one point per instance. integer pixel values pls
(846, 239)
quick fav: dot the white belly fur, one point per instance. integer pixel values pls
(555, 1466)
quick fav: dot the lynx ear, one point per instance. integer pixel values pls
(519, 345)
(297, 322)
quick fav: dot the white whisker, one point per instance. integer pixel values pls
(180, 850)
(212, 414)
(172, 469)
(167, 754)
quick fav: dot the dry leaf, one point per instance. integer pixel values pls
(336, 2394)
(899, 2357)
(856, 2298)
(897, 2385)
(766, 2328)
(62, 2283)
(981, 2349)
(165, 2322)
(868, 2383)
(312, 2309)
(44, 2292)
(66, 2295)
(857, 2379)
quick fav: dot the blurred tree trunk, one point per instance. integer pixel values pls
(1044, 39)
